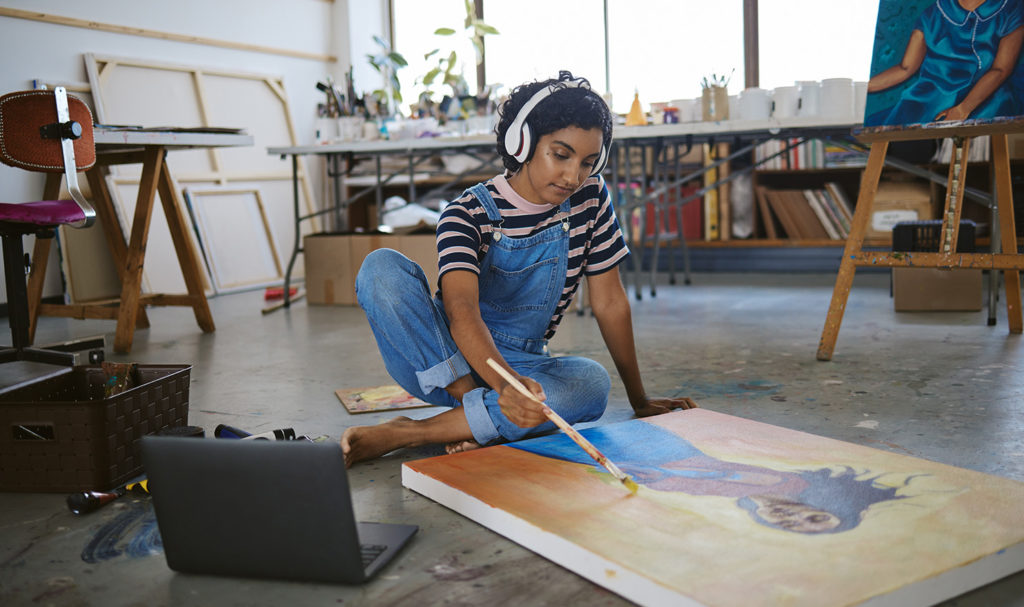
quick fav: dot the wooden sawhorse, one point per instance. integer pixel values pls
(129, 310)
(946, 257)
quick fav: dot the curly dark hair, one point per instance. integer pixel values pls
(572, 106)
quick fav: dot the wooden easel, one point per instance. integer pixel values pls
(946, 257)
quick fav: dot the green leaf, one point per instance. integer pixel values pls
(482, 28)
(398, 59)
(380, 41)
(444, 31)
(429, 78)
(431, 53)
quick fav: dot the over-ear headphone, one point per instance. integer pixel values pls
(519, 139)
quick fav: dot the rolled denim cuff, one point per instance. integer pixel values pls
(480, 423)
(443, 373)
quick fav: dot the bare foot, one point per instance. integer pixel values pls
(460, 446)
(361, 443)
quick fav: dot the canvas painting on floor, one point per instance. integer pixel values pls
(736, 512)
(390, 397)
(946, 60)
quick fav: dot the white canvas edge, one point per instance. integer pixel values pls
(954, 582)
(622, 581)
(644, 591)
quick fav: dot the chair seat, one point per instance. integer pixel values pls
(41, 213)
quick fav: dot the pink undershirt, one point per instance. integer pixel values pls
(508, 193)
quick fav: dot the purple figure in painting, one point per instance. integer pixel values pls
(812, 501)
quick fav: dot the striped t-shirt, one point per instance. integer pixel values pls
(595, 240)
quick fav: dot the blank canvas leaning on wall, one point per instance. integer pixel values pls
(236, 235)
(148, 93)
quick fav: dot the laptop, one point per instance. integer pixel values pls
(267, 509)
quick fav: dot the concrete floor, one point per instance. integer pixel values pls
(943, 386)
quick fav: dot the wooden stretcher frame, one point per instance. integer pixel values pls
(227, 277)
(206, 82)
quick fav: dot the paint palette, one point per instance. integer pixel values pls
(736, 512)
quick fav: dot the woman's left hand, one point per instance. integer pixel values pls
(657, 406)
(954, 113)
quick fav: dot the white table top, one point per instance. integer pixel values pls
(772, 126)
(119, 137)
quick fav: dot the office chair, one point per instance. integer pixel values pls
(45, 131)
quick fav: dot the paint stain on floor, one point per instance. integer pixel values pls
(132, 532)
(749, 389)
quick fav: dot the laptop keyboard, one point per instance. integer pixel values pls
(370, 552)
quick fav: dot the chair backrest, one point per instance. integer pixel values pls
(22, 144)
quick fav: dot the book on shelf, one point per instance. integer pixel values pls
(808, 214)
(711, 227)
(768, 220)
(818, 206)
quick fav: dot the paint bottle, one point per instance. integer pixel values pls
(226, 431)
(279, 434)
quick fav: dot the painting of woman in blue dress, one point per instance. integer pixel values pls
(809, 502)
(946, 60)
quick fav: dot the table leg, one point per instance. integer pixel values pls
(116, 244)
(188, 258)
(1007, 229)
(131, 282)
(854, 242)
(297, 244)
(40, 259)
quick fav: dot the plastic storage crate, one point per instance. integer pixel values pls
(63, 434)
(924, 236)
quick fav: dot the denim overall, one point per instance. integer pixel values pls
(521, 281)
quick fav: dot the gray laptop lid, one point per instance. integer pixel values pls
(272, 509)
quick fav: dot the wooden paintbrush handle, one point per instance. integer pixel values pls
(578, 438)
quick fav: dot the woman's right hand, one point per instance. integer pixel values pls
(520, 410)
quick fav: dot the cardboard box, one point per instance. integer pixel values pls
(898, 201)
(333, 260)
(1015, 143)
(935, 289)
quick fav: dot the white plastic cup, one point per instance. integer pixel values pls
(810, 97)
(685, 108)
(785, 101)
(837, 98)
(754, 104)
(860, 100)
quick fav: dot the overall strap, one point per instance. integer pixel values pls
(484, 196)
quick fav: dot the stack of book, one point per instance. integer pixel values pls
(808, 214)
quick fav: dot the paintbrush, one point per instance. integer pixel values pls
(564, 425)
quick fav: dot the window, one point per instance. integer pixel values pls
(661, 49)
(815, 39)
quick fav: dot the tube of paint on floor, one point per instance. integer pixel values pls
(226, 431)
(90, 501)
(279, 434)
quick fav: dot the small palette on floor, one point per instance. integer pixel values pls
(379, 398)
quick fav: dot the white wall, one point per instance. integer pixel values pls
(52, 52)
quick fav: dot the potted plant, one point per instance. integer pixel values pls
(387, 62)
(448, 69)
